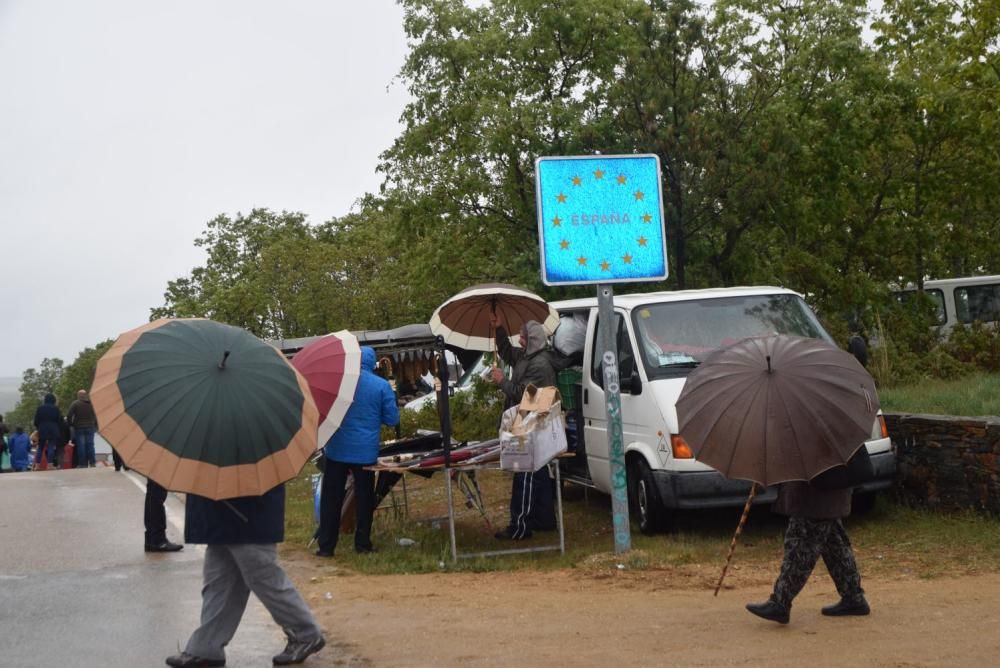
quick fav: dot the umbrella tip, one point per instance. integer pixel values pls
(222, 364)
(769, 370)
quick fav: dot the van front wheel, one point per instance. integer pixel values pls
(644, 499)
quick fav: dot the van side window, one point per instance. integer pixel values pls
(936, 296)
(626, 356)
(977, 302)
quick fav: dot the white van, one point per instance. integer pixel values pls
(961, 300)
(662, 473)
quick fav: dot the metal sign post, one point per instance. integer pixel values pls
(613, 403)
(600, 221)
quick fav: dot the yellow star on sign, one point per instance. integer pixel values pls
(642, 241)
(577, 180)
(646, 218)
(598, 174)
(564, 244)
(621, 179)
(562, 198)
(557, 221)
(627, 259)
(582, 261)
(638, 195)
(605, 266)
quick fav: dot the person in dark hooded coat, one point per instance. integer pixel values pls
(48, 422)
(531, 498)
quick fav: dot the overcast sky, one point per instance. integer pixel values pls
(126, 125)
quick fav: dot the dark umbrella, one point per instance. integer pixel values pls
(775, 409)
(205, 408)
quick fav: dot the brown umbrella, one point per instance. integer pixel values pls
(464, 319)
(775, 409)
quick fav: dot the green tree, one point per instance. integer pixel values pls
(35, 384)
(80, 374)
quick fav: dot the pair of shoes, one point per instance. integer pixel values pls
(185, 660)
(509, 534)
(296, 651)
(324, 553)
(771, 610)
(365, 549)
(165, 546)
(845, 607)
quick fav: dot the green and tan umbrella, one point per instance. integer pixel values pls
(204, 408)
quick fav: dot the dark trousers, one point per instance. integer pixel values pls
(531, 506)
(117, 459)
(805, 542)
(155, 515)
(332, 502)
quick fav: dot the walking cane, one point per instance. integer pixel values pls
(739, 530)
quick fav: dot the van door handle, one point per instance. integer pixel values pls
(584, 395)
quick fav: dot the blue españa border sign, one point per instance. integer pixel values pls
(600, 219)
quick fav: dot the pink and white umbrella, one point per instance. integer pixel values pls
(331, 366)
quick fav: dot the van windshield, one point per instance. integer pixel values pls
(678, 335)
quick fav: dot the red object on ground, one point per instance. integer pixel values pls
(67, 461)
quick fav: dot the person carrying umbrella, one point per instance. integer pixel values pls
(353, 447)
(531, 506)
(210, 410)
(814, 530)
(795, 412)
(241, 556)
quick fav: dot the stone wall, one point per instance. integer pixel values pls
(945, 462)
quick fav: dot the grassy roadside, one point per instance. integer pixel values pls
(893, 540)
(978, 394)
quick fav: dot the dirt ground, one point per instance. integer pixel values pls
(600, 615)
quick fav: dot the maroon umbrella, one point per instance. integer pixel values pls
(774, 409)
(331, 365)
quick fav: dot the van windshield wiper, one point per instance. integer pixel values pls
(681, 365)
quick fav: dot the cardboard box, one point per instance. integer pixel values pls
(532, 433)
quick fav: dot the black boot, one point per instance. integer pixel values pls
(848, 606)
(771, 610)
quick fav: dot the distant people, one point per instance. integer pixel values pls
(814, 530)
(351, 448)
(20, 450)
(531, 498)
(241, 557)
(48, 424)
(4, 448)
(83, 420)
(155, 520)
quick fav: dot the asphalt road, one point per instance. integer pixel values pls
(77, 589)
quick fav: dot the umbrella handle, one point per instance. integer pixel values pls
(739, 530)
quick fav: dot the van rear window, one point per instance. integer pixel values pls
(680, 334)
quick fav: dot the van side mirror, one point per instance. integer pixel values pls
(857, 347)
(634, 383)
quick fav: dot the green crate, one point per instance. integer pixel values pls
(569, 388)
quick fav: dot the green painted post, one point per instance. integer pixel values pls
(613, 404)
